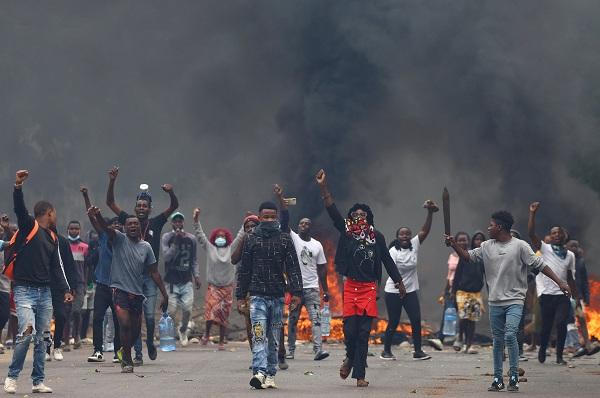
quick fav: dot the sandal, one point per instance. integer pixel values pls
(362, 383)
(345, 368)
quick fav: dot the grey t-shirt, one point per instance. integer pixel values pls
(506, 266)
(129, 261)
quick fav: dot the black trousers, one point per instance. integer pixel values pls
(356, 337)
(555, 308)
(59, 310)
(102, 301)
(4, 309)
(394, 305)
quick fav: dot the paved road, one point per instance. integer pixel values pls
(204, 372)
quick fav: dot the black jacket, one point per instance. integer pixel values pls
(37, 263)
(266, 263)
(347, 255)
(68, 262)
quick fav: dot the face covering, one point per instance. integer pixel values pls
(220, 242)
(358, 228)
(267, 228)
(74, 239)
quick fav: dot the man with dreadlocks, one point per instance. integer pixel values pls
(361, 251)
(150, 230)
(555, 306)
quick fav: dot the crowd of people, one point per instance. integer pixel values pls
(114, 279)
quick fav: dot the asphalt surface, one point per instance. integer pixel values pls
(196, 371)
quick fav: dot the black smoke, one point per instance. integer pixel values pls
(395, 99)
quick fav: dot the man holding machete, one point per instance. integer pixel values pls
(506, 261)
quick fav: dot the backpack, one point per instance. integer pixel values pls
(11, 252)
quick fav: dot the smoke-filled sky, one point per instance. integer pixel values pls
(395, 99)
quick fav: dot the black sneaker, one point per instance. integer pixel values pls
(593, 351)
(523, 358)
(388, 356)
(542, 355)
(513, 384)
(152, 351)
(138, 361)
(560, 361)
(289, 355)
(283, 365)
(420, 356)
(580, 352)
(497, 385)
(321, 355)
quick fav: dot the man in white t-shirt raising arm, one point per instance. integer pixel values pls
(313, 265)
(554, 304)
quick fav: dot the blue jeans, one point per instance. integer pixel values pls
(34, 310)
(265, 315)
(150, 291)
(181, 295)
(504, 321)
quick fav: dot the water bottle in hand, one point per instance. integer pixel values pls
(166, 328)
(450, 321)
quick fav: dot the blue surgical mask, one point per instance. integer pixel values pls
(220, 242)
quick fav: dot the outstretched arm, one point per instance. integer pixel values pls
(110, 193)
(564, 286)
(284, 218)
(431, 208)
(462, 253)
(155, 275)
(334, 214)
(88, 204)
(536, 243)
(24, 220)
(168, 188)
(102, 225)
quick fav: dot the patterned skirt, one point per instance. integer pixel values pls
(469, 305)
(217, 304)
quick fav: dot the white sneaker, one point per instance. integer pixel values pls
(96, 357)
(258, 380)
(269, 382)
(41, 388)
(183, 338)
(109, 347)
(10, 385)
(48, 358)
(58, 355)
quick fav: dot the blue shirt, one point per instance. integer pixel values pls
(102, 273)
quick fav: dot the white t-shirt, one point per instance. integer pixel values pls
(560, 267)
(406, 261)
(309, 255)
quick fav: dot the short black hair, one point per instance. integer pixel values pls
(267, 205)
(131, 216)
(111, 221)
(365, 208)
(504, 219)
(41, 208)
(74, 222)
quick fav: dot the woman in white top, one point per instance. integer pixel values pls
(404, 251)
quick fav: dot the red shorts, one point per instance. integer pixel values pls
(360, 298)
(132, 303)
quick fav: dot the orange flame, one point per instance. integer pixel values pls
(336, 304)
(592, 313)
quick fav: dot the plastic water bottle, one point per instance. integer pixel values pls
(325, 320)
(166, 328)
(450, 321)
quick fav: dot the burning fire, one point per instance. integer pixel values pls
(592, 313)
(336, 308)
